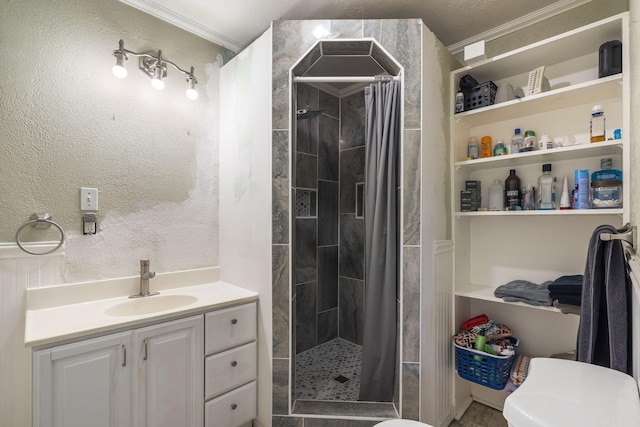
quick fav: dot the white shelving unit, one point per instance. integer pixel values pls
(493, 248)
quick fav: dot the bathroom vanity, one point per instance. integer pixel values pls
(495, 247)
(185, 357)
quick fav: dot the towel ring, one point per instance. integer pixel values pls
(40, 221)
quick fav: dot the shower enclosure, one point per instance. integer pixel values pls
(328, 251)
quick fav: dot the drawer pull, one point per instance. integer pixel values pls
(234, 406)
(234, 321)
(234, 363)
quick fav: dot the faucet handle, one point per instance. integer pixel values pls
(151, 274)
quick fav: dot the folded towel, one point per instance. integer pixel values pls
(568, 299)
(524, 291)
(566, 285)
(567, 308)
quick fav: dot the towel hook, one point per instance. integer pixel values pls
(629, 235)
(40, 221)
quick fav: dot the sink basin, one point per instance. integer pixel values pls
(152, 304)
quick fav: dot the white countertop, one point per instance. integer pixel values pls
(51, 324)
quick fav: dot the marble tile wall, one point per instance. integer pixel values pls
(402, 39)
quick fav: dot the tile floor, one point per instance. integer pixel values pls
(318, 368)
(330, 371)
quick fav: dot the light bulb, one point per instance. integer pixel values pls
(119, 71)
(192, 94)
(157, 82)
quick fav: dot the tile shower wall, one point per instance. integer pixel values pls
(352, 161)
(316, 233)
(291, 39)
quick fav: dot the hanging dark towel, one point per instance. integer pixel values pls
(604, 334)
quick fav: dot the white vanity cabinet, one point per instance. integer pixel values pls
(86, 383)
(493, 248)
(153, 376)
(230, 366)
(168, 366)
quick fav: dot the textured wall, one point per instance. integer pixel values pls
(67, 122)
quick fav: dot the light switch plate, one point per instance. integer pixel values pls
(88, 199)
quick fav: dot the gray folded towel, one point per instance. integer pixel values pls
(525, 291)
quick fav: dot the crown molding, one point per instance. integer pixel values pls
(185, 23)
(517, 24)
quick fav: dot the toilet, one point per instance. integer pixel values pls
(402, 423)
(565, 393)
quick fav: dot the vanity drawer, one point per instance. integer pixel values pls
(232, 409)
(229, 327)
(226, 371)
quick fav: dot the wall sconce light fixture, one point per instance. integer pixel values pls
(153, 66)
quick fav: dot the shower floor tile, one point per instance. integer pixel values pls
(322, 370)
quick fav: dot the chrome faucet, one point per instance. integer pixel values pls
(145, 275)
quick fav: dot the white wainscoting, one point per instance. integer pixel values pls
(20, 271)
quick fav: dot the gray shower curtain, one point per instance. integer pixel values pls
(382, 103)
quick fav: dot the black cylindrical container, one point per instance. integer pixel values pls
(610, 58)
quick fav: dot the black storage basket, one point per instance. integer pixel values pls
(480, 96)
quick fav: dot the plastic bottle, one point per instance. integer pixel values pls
(485, 146)
(517, 141)
(496, 196)
(512, 191)
(459, 102)
(581, 197)
(530, 141)
(606, 186)
(546, 194)
(500, 149)
(473, 149)
(528, 198)
(597, 128)
(565, 202)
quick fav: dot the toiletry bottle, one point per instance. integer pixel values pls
(496, 196)
(500, 149)
(530, 141)
(546, 194)
(473, 150)
(597, 124)
(565, 198)
(517, 141)
(512, 191)
(581, 198)
(606, 186)
(485, 146)
(528, 198)
(459, 102)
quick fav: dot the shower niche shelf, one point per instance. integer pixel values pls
(494, 248)
(306, 203)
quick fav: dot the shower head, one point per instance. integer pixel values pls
(306, 113)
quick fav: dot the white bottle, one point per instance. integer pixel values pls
(496, 196)
(459, 102)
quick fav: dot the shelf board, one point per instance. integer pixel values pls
(485, 293)
(564, 97)
(556, 212)
(598, 149)
(562, 47)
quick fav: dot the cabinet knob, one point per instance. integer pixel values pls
(234, 321)
(234, 406)
(234, 363)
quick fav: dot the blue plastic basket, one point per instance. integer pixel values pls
(483, 368)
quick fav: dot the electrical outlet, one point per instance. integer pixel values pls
(88, 199)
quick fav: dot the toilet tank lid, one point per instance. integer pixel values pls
(561, 392)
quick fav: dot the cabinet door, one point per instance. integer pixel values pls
(168, 385)
(87, 383)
